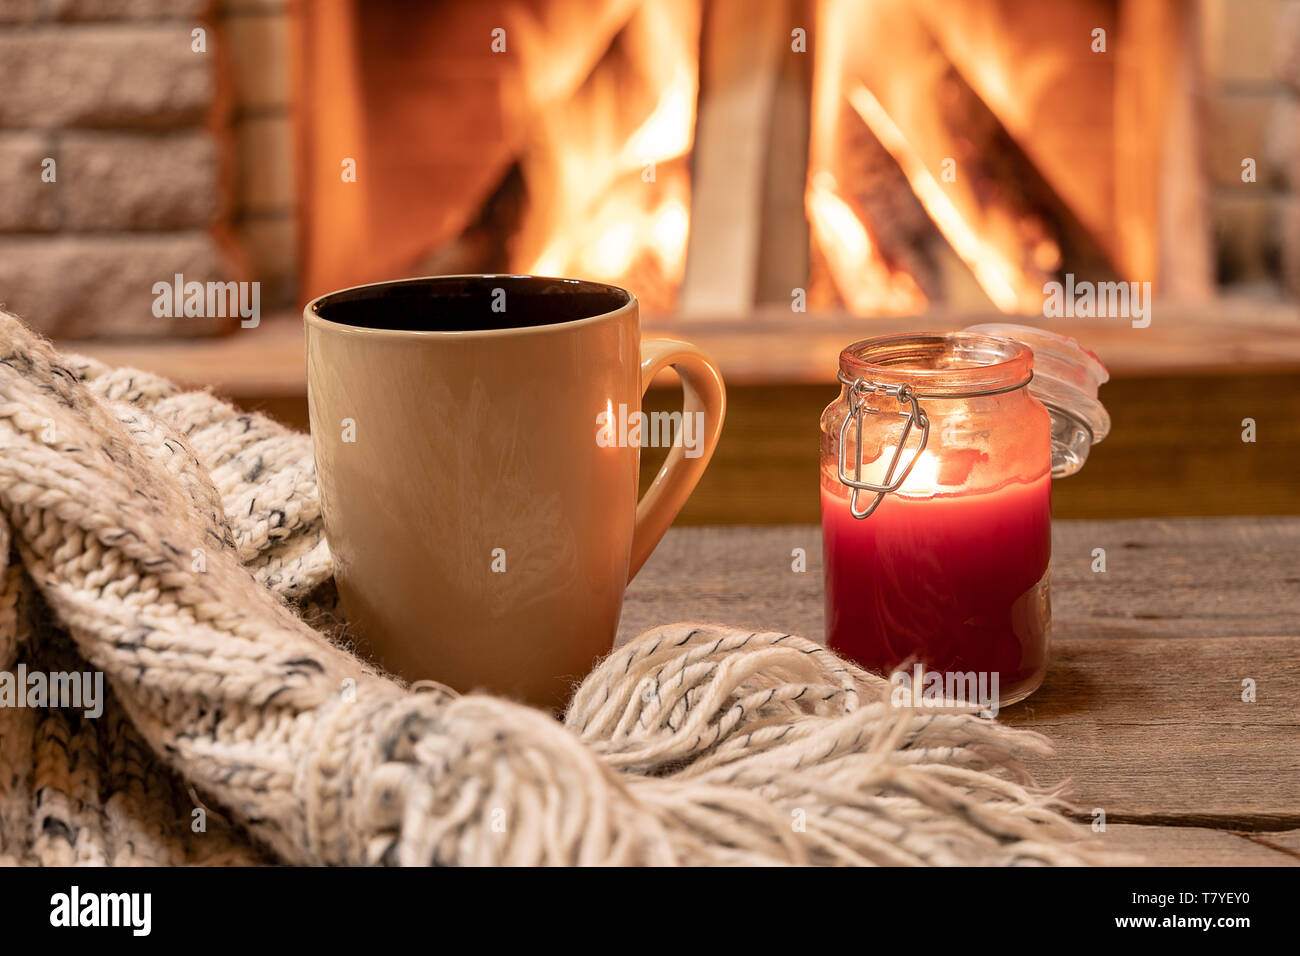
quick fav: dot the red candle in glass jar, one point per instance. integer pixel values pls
(950, 568)
(957, 583)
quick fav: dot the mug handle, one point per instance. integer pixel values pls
(702, 391)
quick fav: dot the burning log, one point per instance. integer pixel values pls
(1001, 177)
(919, 136)
(874, 184)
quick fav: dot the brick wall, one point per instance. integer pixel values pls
(1253, 61)
(256, 37)
(142, 180)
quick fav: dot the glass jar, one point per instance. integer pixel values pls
(936, 468)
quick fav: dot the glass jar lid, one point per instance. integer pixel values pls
(1067, 377)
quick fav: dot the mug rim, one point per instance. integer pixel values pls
(312, 317)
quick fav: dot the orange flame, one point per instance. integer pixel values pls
(895, 87)
(865, 280)
(609, 199)
(996, 275)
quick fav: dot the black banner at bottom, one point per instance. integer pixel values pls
(969, 907)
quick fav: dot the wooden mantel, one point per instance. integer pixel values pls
(777, 346)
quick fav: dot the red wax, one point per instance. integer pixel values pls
(953, 582)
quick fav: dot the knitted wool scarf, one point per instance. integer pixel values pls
(174, 545)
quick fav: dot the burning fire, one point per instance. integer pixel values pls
(866, 281)
(894, 90)
(995, 274)
(606, 168)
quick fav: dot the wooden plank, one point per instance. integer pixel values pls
(783, 233)
(1229, 336)
(1175, 449)
(1179, 579)
(1148, 725)
(264, 361)
(1239, 335)
(1154, 730)
(1154, 463)
(1287, 842)
(1186, 580)
(741, 57)
(1157, 462)
(1194, 846)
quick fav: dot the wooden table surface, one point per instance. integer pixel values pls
(1143, 699)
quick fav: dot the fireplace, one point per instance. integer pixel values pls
(737, 164)
(550, 139)
(879, 157)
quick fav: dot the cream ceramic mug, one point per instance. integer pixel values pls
(478, 470)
